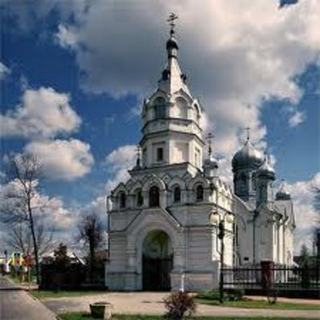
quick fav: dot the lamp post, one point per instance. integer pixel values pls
(219, 220)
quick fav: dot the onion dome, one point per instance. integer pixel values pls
(247, 157)
(283, 193)
(211, 163)
(266, 170)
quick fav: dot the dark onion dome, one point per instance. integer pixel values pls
(266, 170)
(283, 193)
(211, 163)
(247, 157)
(172, 43)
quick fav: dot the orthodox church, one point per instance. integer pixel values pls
(164, 221)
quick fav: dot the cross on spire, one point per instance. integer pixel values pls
(209, 139)
(171, 20)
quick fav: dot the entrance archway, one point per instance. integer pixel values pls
(157, 258)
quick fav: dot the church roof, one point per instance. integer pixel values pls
(173, 79)
(283, 193)
(247, 157)
(266, 170)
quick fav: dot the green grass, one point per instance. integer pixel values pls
(42, 294)
(261, 304)
(86, 316)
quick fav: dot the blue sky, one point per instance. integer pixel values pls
(104, 59)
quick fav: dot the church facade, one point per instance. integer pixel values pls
(162, 234)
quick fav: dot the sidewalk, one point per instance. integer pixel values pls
(17, 304)
(292, 300)
(151, 303)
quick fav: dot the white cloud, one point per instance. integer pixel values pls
(63, 159)
(296, 118)
(4, 71)
(49, 210)
(42, 113)
(305, 214)
(118, 162)
(233, 59)
(65, 37)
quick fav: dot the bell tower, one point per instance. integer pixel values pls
(171, 131)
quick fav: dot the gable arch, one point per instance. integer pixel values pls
(196, 181)
(153, 180)
(120, 188)
(177, 181)
(181, 108)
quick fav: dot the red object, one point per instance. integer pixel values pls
(28, 261)
(267, 274)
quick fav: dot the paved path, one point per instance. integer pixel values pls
(151, 303)
(16, 304)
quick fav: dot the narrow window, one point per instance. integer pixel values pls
(160, 108)
(122, 200)
(176, 194)
(159, 154)
(199, 192)
(139, 198)
(154, 196)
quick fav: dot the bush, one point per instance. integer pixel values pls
(235, 295)
(179, 304)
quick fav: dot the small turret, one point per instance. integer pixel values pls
(244, 165)
(210, 164)
(265, 176)
(283, 193)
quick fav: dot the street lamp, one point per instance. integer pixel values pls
(219, 220)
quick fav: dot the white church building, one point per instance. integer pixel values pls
(163, 221)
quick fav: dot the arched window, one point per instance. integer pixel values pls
(139, 198)
(154, 197)
(160, 108)
(177, 194)
(122, 200)
(199, 193)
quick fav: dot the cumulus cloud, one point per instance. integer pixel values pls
(305, 213)
(297, 118)
(48, 210)
(118, 162)
(62, 159)
(42, 113)
(233, 59)
(4, 71)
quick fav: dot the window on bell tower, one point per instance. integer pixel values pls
(160, 108)
(159, 154)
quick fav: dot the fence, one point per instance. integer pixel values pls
(280, 278)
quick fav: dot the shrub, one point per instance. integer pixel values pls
(179, 304)
(235, 295)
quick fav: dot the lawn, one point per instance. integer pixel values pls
(42, 294)
(86, 316)
(261, 304)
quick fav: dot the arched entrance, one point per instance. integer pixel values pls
(157, 258)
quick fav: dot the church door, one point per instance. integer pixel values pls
(157, 261)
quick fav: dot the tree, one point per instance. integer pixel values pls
(20, 199)
(19, 238)
(61, 258)
(304, 256)
(91, 232)
(316, 231)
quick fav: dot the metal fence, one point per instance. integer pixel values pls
(278, 277)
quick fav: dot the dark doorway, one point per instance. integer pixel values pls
(156, 273)
(157, 261)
